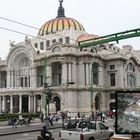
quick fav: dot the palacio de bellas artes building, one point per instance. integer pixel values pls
(78, 80)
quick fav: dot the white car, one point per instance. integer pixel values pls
(86, 130)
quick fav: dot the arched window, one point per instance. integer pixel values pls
(36, 45)
(95, 73)
(41, 45)
(94, 50)
(47, 43)
(61, 40)
(131, 76)
(56, 49)
(67, 39)
(54, 40)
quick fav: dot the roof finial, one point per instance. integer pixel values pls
(61, 11)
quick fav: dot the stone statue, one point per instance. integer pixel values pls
(27, 40)
(12, 43)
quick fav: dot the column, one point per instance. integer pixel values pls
(11, 104)
(0, 104)
(101, 76)
(11, 74)
(64, 72)
(43, 102)
(20, 103)
(8, 79)
(34, 103)
(70, 71)
(90, 74)
(3, 104)
(48, 74)
(81, 74)
(87, 74)
(0, 80)
(34, 77)
(29, 103)
(17, 78)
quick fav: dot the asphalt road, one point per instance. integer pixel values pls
(31, 132)
(29, 136)
(26, 132)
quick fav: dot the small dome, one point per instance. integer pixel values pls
(84, 37)
(60, 24)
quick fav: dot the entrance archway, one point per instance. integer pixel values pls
(98, 102)
(56, 100)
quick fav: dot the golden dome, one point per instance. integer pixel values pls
(60, 24)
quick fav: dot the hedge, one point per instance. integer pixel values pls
(7, 116)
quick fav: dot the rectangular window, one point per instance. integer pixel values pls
(25, 81)
(112, 67)
(41, 80)
(95, 78)
(29, 80)
(112, 79)
(21, 81)
(59, 78)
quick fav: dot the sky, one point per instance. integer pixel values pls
(100, 17)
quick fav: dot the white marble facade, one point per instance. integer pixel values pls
(54, 57)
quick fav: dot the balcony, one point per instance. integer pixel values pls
(17, 89)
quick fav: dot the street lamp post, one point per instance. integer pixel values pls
(48, 95)
(91, 91)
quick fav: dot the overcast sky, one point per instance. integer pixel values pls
(100, 17)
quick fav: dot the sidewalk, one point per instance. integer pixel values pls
(5, 123)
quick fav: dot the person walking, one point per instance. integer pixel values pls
(14, 122)
(41, 117)
(103, 116)
(51, 119)
(29, 120)
(63, 118)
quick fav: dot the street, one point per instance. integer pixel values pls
(26, 132)
(29, 135)
(31, 132)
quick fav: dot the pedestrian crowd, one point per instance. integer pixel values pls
(101, 115)
(49, 119)
(20, 120)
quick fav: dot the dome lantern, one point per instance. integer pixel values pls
(61, 11)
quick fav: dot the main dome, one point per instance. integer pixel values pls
(60, 24)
